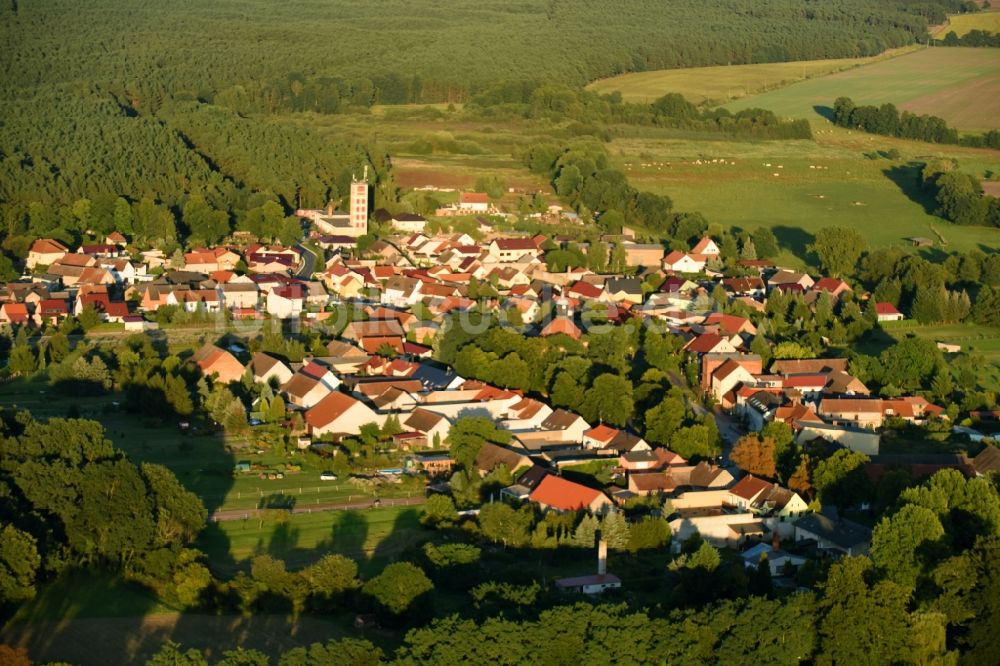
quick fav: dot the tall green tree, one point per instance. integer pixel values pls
(838, 249)
(398, 586)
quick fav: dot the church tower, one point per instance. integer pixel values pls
(359, 205)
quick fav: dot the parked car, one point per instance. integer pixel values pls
(327, 476)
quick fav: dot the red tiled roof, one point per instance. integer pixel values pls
(371, 344)
(884, 308)
(585, 290)
(601, 433)
(558, 493)
(474, 198)
(673, 257)
(703, 343)
(804, 381)
(702, 245)
(48, 246)
(525, 244)
(562, 325)
(829, 284)
(749, 487)
(329, 409)
(729, 323)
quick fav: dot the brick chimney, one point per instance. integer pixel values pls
(776, 541)
(602, 555)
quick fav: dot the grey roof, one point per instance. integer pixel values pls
(843, 533)
(988, 460)
(560, 419)
(640, 456)
(627, 285)
(433, 376)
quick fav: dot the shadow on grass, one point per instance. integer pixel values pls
(907, 178)
(825, 111)
(797, 241)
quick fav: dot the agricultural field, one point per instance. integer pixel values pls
(718, 85)
(960, 24)
(438, 150)
(799, 187)
(961, 85)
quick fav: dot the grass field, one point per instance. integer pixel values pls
(799, 187)
(961, 85)
(717, 85)
(960, 24)
(975, 339)
(372, 537)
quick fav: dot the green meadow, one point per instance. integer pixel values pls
(799, 187)
(961, 85)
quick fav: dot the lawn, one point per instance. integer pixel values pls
(961, 85)
(90, 594)
(960, 24)
(373, 538)
(972, 338)
(799, 187)
(717, 85)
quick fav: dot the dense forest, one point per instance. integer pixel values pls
(316, 52)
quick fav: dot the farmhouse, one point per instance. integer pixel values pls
(887, 312)
(473, 202)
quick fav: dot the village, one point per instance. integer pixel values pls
(406, 288)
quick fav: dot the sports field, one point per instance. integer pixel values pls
(799, 187)
(720, 84)
(961, 85)
(960, 24)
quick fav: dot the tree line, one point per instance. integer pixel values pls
(558, 102)
(973, 38)
(887, 120)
